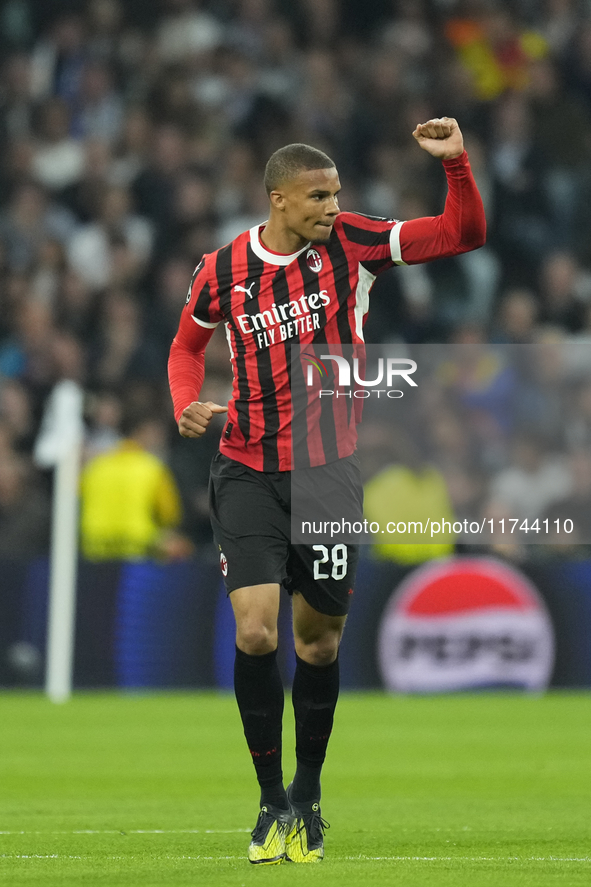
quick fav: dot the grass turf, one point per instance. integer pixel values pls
(135, 791)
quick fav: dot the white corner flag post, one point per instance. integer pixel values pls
(59, 445)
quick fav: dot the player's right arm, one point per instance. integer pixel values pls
(186, 362)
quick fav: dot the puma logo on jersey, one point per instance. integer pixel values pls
(242, 289)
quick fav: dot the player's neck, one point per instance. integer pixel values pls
(281, 240)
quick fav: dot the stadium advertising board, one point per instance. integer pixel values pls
(465, 623)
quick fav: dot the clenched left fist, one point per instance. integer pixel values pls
(441, 137)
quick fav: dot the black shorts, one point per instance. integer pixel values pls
(251, 519)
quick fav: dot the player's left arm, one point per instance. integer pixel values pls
(462, 225)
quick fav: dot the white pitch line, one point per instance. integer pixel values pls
(41, 856)
(465, 858)
(336, 858)
(64, 856)
(139, 831)
(189, 831)
(178, 858)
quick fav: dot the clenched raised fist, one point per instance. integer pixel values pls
(441, 137)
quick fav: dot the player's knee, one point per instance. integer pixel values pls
(322, 651)
(256, 639)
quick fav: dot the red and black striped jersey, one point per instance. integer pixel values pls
(316, 296)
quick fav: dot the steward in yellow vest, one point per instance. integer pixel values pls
(129, 500)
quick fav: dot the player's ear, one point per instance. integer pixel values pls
(277, 199)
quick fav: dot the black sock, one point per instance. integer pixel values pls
(260, 698)
(315, 693)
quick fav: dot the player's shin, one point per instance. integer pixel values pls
(315, 693)
(260, 698)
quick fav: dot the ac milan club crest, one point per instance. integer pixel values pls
(313, 261)
(223, 564)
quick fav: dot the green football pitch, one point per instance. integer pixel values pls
(159, 790)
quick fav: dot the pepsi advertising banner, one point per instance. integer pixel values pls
(462, 624)
(459, 623)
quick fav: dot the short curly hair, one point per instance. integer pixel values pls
(288, 162)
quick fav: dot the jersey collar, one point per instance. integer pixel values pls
(267, 256)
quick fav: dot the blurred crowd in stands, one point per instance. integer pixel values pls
(494, 436)
(133, 139)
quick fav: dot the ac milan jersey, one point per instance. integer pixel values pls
(316, 296)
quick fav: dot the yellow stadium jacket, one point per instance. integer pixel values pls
(128, 497)
(398, 493)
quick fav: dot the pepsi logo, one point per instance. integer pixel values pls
(223, 564)
(465, 623)
(314, 260)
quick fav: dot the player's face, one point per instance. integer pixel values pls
(309, 204)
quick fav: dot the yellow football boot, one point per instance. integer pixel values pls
(305, 840)
(268, 836)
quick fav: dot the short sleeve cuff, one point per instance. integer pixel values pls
(203, 323)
